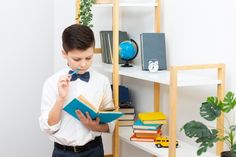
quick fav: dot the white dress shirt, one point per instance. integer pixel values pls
(70, 131)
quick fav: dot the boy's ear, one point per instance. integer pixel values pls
(64, 53)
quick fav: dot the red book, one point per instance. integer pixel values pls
(142, 139)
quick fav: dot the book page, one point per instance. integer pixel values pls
(84, 100)
(112, 108)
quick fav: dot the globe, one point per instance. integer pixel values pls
(128, 50)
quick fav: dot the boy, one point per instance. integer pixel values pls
(73, 138)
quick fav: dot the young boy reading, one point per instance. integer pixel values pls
(73, 138)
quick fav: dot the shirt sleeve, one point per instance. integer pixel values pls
(48, 99)
(107, 102)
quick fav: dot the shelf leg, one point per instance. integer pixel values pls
(172, 111)
(116, 141)
(220, 120)
(115, 27)
(156, 97)
(77, 11)
(158, 17)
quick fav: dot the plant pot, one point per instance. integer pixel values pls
(226, 154)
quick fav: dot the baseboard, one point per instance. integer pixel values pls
(109, 155)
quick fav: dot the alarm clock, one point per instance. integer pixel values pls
(153, 66)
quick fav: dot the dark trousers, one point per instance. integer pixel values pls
(91, 151)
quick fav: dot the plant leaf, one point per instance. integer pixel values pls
(210, 110)
(85, 16)
(207, 142)
(228, 103)
(196, 129)
(205, 136)
(232, 128)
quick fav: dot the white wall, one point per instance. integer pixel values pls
(25, 61)
(197, 31)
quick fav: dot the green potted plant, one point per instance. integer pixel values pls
(207, 136)
(85, 15)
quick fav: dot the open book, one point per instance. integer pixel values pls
(80, 103)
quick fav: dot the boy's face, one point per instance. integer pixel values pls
(79, 59)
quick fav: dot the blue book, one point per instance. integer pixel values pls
(138, 124)
(80, 103)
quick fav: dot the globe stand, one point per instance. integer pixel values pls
(127, 64)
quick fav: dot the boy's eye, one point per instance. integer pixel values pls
(88, 58)
(77, 59)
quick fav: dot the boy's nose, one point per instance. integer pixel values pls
(83, 63)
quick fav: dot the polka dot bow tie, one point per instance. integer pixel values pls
(84, 77)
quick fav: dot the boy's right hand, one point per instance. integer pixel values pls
(63, 86)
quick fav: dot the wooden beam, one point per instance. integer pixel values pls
(156, 96)
(157, 17)
(103, 1)
(200, 66)
(220, 120)
(172, 111)
(77, 11)
(98, 50)
(157, 28)
(115, 28)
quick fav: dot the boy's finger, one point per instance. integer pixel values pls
(88, 116)
(98, 120)
(80, 114)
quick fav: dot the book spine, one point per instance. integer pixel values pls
(142, 55)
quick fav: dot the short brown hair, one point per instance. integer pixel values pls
(78, 37)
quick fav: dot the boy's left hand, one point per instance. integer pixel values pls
(87, 121)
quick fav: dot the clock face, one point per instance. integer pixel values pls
(153, 67)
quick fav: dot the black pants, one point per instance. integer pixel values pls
(91, 151)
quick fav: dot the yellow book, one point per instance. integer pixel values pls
(151, 116)
(154, 122)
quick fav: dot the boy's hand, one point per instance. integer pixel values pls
(63, 86)
(87, 121)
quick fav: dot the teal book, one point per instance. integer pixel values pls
(80, 103)
(138, 124)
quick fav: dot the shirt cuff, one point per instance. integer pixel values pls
(45, 127)
(111, 126)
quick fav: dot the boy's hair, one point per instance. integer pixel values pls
(78, 37)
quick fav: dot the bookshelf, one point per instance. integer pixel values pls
(173, 78)
(183, 149)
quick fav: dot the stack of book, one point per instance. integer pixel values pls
(148, 127)
(125, 106)
(128, 115)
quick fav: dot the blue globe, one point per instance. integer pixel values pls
(128, 51)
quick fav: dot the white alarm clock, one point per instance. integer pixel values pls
(153, 66)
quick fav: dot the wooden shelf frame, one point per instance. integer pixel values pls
(174, 79)
(173, 101)
(174, 70)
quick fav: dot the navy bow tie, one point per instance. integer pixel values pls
(84, 77)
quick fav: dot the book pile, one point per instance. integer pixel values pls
(126, 107)
(148, 127)
(128, 115)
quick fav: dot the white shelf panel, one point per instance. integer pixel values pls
(183, 149)
(128, 5)
(162, 77)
